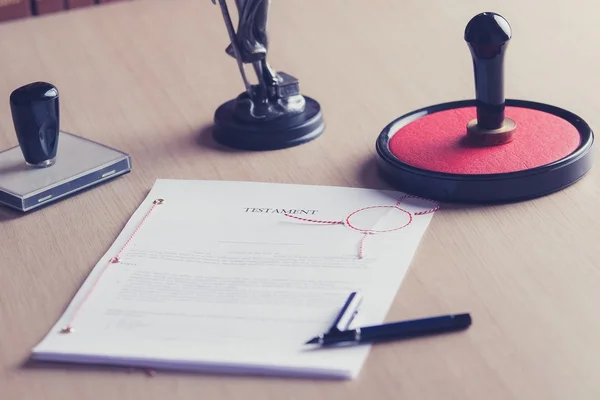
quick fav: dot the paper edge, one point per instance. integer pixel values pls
(199, 366)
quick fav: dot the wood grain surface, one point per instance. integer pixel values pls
(146, 76)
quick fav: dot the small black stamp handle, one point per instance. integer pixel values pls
(36, 118)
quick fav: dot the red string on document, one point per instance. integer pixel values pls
(347, 221)
(114, 260)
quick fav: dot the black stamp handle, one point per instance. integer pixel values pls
(35, 113)
(487, 35)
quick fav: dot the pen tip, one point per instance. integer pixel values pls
(313, 341)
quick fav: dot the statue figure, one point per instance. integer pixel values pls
(275, 102)
(252, 40)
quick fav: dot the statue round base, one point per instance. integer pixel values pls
(280, 133)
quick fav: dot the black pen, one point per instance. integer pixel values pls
(395, 331)
(347, 313)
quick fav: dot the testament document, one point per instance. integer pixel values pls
(237, 276)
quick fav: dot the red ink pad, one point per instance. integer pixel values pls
(437, 142)
(486, 150)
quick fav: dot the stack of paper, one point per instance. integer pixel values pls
(237, 276)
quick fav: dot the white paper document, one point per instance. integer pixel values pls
(237, 276)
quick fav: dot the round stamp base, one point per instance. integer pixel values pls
(427, 153)
(276, 134)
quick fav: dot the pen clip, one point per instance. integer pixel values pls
(347, 313)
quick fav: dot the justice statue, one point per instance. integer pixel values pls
(271, 114)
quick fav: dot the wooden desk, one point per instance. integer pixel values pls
(146, 76)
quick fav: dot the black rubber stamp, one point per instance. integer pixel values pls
(489, 149)
(50, 164)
